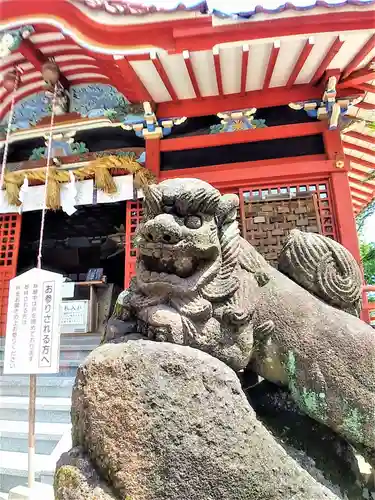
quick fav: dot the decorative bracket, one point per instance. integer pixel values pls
(151, 127)
(329, 107)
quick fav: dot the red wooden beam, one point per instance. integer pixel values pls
(358, 58)
(361, 137)
(357, 78)
(271, 63)
(359, 198)
(364, 195)
(361, 186)
(37, 59)
(309, 44)
(332, 51)
(185, 34)
(243, 136)
(364, 176)
(206, 37)
(365, 105)
(244, 68)
(360, 149)
(136, 91)
(255, 172)
(366, 87)
(190, 70)
(113, 73)
(277, 96)
(163, 75)
(216, 54)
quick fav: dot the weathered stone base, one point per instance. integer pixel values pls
(165, 422)
(322, 453)
(76, 479)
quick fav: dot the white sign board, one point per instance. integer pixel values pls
(75, 316)
(32, 342)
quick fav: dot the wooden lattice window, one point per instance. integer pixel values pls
(10, 231)
(134, 214)
(268, 214)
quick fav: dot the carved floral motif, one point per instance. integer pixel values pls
(235, 121)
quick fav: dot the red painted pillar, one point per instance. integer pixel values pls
(153, 155)
(134, 210)
(345, 223)
(344, 213)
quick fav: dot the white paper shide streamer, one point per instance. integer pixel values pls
(69, 195)
(23, 191)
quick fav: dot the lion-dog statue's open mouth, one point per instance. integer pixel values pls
(178, 241)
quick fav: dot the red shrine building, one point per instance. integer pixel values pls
(273, 101)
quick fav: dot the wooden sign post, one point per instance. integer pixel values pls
(32, 343)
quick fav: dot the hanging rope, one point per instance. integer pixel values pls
(9, 128)
(49, 148)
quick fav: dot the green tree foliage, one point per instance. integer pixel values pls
(367, 212)
(368, 261)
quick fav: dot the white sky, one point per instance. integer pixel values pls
(369, 230)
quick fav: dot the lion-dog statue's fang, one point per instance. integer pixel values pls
(199, 283)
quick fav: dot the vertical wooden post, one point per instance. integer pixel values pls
(333, 147)
(153, 155)
(31, 450)
(345, 223)
(344, 214)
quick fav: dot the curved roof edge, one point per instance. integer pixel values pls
(221, 8)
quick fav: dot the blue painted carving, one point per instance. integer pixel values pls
(98, 99)
(28, 111)
(58, 149)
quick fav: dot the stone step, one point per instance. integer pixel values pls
(68, 367)
(46, 386)
(14, 436)
(79, 351)
(80, 340)
(55, 410)
(89, 338)
(13, 468)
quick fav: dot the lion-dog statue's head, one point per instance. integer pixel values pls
(196, 278)
(184, 238)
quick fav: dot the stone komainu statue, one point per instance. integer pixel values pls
(199, 283)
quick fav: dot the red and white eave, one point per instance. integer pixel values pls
(192, 65)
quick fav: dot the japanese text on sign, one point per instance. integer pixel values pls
(32, 340)
(47, 326)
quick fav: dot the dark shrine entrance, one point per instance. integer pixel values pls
(93, 237)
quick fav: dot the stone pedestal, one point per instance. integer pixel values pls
(38, 492)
